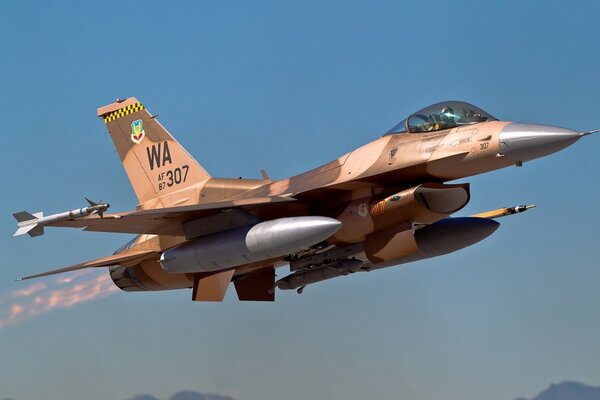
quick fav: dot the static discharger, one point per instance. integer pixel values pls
(33, 224)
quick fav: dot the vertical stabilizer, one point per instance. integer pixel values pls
(155, 162)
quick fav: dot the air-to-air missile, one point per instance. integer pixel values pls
(33, 224)
(502, 212)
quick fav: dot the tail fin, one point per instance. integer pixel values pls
(155, 162)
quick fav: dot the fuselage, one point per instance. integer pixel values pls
(381, 168)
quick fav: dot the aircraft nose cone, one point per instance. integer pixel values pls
(524, 142)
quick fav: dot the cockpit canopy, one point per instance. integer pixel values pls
(445, 115)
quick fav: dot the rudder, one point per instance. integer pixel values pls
(154, 161)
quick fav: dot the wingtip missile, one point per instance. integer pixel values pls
(33, 224)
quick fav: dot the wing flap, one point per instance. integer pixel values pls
(115, 259)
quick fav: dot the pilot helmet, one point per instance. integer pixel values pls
(447, 114)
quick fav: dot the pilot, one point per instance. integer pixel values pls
(447, 117)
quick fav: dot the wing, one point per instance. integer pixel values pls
(171, 220)
(115, 259)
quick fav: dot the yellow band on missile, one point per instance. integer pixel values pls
(501, 212)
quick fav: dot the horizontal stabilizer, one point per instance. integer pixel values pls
(115, 259)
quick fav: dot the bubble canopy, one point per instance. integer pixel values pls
(440, 116)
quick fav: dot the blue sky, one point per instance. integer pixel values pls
(286, 86)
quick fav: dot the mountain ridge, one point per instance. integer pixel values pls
(184, 395)
(567, 390)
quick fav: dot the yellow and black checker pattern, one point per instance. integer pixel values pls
(130, 109)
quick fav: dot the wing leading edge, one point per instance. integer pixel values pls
(166, 221)
(115, 259)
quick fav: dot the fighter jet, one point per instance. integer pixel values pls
(384, 204)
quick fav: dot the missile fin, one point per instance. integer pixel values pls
(37, 230)
(22, 216)
(32, 230)
(24, 229)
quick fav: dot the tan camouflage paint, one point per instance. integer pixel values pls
(163, 174)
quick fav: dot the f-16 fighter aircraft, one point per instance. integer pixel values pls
(383, 204)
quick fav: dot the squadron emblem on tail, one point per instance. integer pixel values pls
(137, 131)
